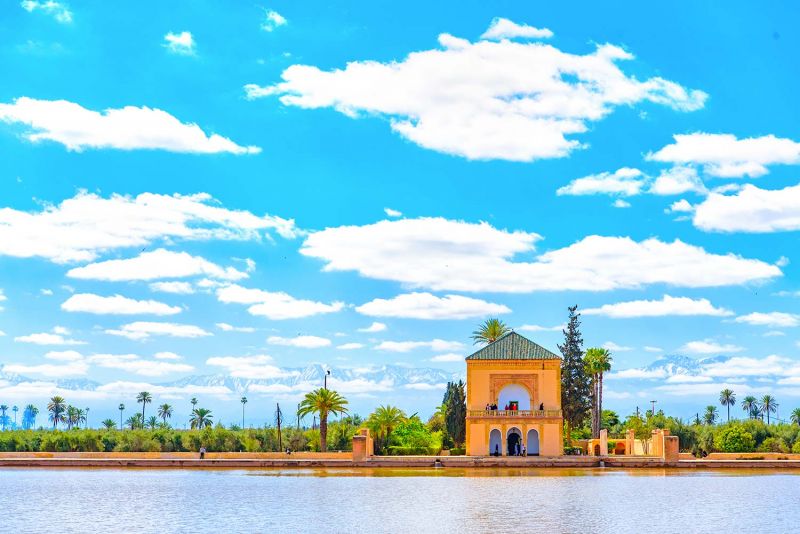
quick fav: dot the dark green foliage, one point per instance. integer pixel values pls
(455, 419)
(734, 438)
(575, 383)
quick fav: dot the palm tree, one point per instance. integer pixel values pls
(80, 417)
(144, 398)
(29, 416)
(15, 410)
(200, 418)
(165, 412)
(796, 416)
(710, 416)
(597, 361)
(3, 418)
(243, 401)
(768, 405)
(727, 398)
(72, 416)
(152, 422)
(322, 401)
(57, 406)
(121, 409)
(750, 405)
(490, 331)
(383, 421)
(109, 424)
(135, 421)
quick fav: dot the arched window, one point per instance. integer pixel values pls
(514, 393)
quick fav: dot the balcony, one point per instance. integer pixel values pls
(535, 414)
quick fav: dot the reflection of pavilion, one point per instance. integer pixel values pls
(514, 373)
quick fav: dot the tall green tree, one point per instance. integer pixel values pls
(56, 407)
(144, 398)
(727, 398)
(323, 402)
(455, 415)
(490, 331)
(29, 416)
(575, 384)
(3, 416)
(750, 406)
(796, 416)
(165, 412)
(710, 416)
(201, 417)
(597, 361)
(382, 422)
(109, 424)
(768, 405)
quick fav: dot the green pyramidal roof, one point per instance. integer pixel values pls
(513, 346)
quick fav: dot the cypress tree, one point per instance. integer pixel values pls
(455, 419)
(575, 382)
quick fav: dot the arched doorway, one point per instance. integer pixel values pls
(597, 450)
(514, 395)
(533, 442)
(513, 438)
(495, 442)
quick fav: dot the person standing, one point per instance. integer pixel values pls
(202, 452)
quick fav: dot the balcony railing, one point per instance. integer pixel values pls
(514, 413)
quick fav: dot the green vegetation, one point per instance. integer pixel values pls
(597, 362)
(490, 331)
(324, 402)
(575, 386)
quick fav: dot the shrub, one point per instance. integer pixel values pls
(796, 447)
(396, 450)
(456, 451)
(734, 438)
(773, 445)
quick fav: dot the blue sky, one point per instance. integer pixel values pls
(299, 172)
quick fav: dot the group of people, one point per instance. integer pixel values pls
(511, 406)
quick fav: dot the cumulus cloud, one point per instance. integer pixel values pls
(58, 10)
(50, 370)
(772, 319)
(428, 306)
(256, 367)
(668, 305)
(436, 345)
(613, 347)
(159, 263)
(167, 356)
(179, 288)
(709, 346)
(449, 357)
(143, 330)
(275, 305)
(518, 101)
(501, 28)
(132, 363)
(64, 355)
(230, 328)
(180, 43)
(273, 20)
(374, 327)
(725, 156)
(57, 337)
(680, 206)
(392, 213)
(624, 182)
(127, 128)
(538, 328)
(751, 210)
(81, 228)
(116, 305)
(303, 342)
(441, 254)
(350, 346)
(677, 181)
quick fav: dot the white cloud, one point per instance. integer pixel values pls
(275, 305)
(127, 128)
(3, 298)
(774, 333)
(124, 388)
(179, 288)
(537, 328)
(501, 28)
(680, 206)
(304, 342)
(256, 367)
(423, 386)
(64, 355)
(131, 363)
(677, 181)
(73, 368)
(167, 356)
(772, 319)
(449, 357)
(740, 366)
(436, 345)
(180, 43)
(725, 156)
(505, 100)
(62, 330)
(642, 374)
(428, 306)
(351, 346)
(143, 330)
(86, 225)
(272, 21)
(58, 10)
(708, 346)
(159, 263)
(659, 308)
(619, 203)
(751, 209)
(649, 348)
(613, 347)
(46, 338)
(230, 328)
(45, 292)
(624, 182)
(441, 254)
(392, 213)
(374, 327)
(116, 305)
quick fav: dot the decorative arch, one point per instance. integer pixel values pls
(514, 392)
(533, 442)
(498, 381)
(513, 437)
(495, 441)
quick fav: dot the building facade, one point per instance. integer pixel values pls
(514, 399)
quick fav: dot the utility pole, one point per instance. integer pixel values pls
(637, 411)
(298, 416)
(325, 379)
(278, 421)
(653, 412)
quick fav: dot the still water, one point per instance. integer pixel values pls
(445, 500)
